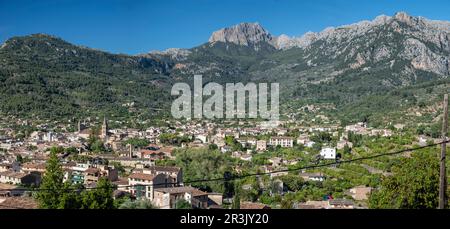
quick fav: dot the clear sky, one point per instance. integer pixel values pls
(138, 26)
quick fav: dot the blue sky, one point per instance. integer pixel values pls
(138, 26)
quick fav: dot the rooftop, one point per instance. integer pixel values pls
(176, 190)
(18, 203)
(142, 176)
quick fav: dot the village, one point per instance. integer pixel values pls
(133, 160)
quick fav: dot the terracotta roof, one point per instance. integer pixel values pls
(7, 186)
(165, 168)
(306, 206)
(176, 190)
(18, 203)
(5, 165)
(13, 174)
(281, 137)
(121, 181)
(341, 202)
(142, 176)
(197, 192)
(70, 164)
(91, 170)
(250, 205)
(30, 165)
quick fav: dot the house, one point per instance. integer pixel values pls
(154, 152)
(282, 141)
(247, 142)
(8, 190)
(5, 167)
(246, 157)
(326, 204)
(360, 192)
(423, 140)
(360, 128)
(303, 139)
(276, 161)
(381, 132)
(341, 204)
(309, 144)
(225, 149)
(131, 162)
(18, 178)
(174, 174)
(261, 145)
(215, 200)
(282, 131)
(202, 137)
(312, 204)
(312, 176)
(251, 205)
(33, 167)
(279, 174)
(122, 184)
(18, 203)
(167, 198)
(341, 144)
(142, 185)
(92, 175)
(76, 173)
(251, 141)
(328, 153)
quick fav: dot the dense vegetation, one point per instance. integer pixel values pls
(54, 193)
(45, 77)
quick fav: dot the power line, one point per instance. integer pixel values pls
(242, 176)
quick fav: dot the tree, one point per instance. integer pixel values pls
(100, 197)
(292, 182)
(347, 149)
(19, 158)
(70, 198)
(236, 202)
(52, 183)
(212, 147)
(95, 144)
(183, 204)
(137, 142)
(415, 184)
(237, 198)
(286, 203)
(138, 204)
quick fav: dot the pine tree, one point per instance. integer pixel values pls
(52, 183)
(237, 198)
(99, 198)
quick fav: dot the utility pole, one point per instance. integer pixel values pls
(443, 175)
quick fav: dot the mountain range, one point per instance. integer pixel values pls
(366, 70)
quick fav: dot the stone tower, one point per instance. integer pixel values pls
(104, 133)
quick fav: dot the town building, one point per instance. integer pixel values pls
(282, 141)
(142, 185)
(328, 153)
(261, 145)
(167, 198)
(18, 178)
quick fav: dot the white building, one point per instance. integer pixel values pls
(282, 141)
(143, 185)
(328, 153)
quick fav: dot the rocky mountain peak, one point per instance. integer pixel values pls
(402, 16)
(174, 53)
(242, 34)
